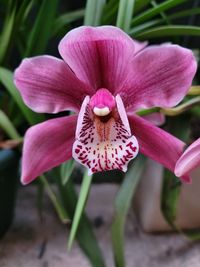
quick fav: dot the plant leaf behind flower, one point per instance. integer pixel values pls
(6, 78)
(122, 205)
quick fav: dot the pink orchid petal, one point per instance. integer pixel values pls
(160, 76)
(139, 46)
(104, 143)
(157, 118)
(189, 160)
(47, 145)
(48, 85)
(157, 144)
(99, 56)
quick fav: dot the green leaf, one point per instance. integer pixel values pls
(93, 12)
(6, 78)
(66, 170)
(146, 15)
(169, 204)
(110, 12)
(185, 13)
(175, 30)
(41, 31)
(125, 12)
(149, 24)
(23, 11)
(140, 4)
(65, 19)
(122, 205)
(7, 33)
(8, 127)
(170, 196)
(85, 235)
(162, 14)
(144, 26)
(62, 214)
(85, 187)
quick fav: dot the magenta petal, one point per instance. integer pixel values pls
(100, 56)
(157, 118)
(48, 85)
(157, 144)
(189, 160)
(160, 76)
(47, 145)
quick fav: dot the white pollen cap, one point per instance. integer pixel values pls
(101, 111)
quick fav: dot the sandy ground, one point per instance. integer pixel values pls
(21, 247)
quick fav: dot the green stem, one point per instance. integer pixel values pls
(194, 90)
(144, 112)
(181, 108)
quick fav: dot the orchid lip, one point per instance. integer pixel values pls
(101, 111)
(104, 142)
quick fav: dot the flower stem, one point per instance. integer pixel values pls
(194, 90)
(181, 108)
(144, 112)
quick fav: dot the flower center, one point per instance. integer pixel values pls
(103, 136)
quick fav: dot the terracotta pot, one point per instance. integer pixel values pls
(9, 160)
(148, 195)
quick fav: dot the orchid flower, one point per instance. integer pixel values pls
(189, 160)
(106, 77)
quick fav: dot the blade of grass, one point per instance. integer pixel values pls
(66, 170)
(93, 12)
(62, 214)
(169, 197)
(156, 22)
(140, 4)
(8, 127)
(7, 33)
(41, 31)
(85, 187)
(66, 19)
(110, 12)
(85, 235)
(185, 13)
(124, 15)
(169, 205)
(6, 78)
(162, 14)
(122, 205)
(145, 26)
(146, 15)
(175, 30)
(23, 11)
